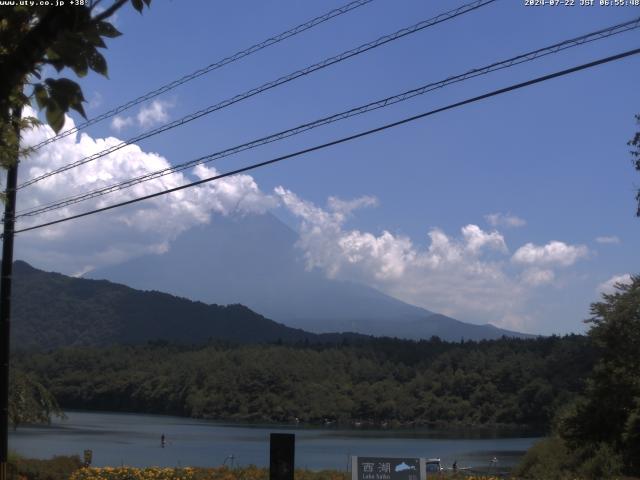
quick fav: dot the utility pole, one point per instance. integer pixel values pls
(5, 294)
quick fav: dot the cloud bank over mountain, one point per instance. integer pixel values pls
(123, 233)
(471, 275)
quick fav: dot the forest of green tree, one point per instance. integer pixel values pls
(397, 382)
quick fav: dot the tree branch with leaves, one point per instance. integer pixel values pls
(30, 402)
(635, 153)
(34, 37)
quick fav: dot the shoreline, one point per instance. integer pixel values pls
(134, 439)
(468, 430)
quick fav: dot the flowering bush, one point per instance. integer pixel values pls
(218, 473)
(189, 473)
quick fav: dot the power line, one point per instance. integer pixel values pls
(345, 139)
(519, 59)
(274, 83)
(209, 68)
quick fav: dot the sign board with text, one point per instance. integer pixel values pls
(387, 468)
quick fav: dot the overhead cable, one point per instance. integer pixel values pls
(269, 85)
(209, 68)
(519, 59)
(343, 139)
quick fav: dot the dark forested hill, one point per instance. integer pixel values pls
(508, 381)
(51, 310)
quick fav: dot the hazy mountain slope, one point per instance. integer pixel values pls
(52, 310)
(253, 261)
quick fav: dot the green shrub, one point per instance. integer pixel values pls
(552, 459)
(56, 468)
(600, 461)
(549, 459)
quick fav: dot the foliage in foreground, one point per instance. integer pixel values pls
(607, 416)
(34, 35)
(552, 459)
(598, 434)
(30, 401)
(635, 155)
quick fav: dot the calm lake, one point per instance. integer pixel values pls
(132, 439)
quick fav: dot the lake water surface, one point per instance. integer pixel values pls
(132, 439)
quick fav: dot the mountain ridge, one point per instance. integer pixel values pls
(52, 310)
(253, 260)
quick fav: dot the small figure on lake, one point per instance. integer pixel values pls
(162, 440)
(455, 466)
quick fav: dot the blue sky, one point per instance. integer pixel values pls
(552, 158)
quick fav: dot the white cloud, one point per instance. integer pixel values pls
(476, 239)
(505, 220)
(346, 207)
(114, 236)
(83, 271)
(118, 123)
(537, 276)
(386, 256)
(320, 229)
(449, 276)
(154, 113)
(609, 286)
(95, 101)
(608, 239)
(553, 253)
(468, 276)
